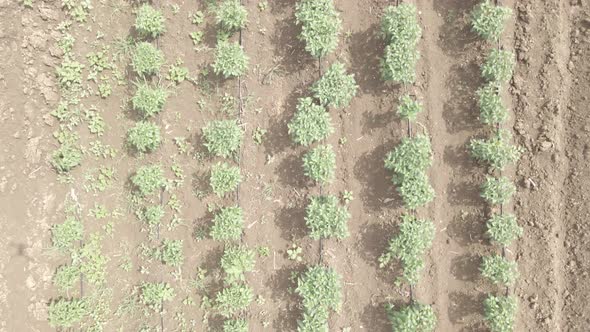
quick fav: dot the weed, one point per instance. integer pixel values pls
(223, 137)
(414, 238)
(230, 60)
(144, 137)
(263, 251)
(147, 59)
(347, 196)
(319, 164)
(96, 123)
(101, 181)
(196, 37)
(77, 9)
(320, 26)
(295, 253)
(258, 135)
(104, 90)
(325, 218)
(149, 22)
(177, 73)
(335, 88)
(197, 18)
(310, 124)
(228, 224)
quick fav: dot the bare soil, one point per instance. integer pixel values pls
(549, 103)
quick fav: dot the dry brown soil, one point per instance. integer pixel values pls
(549, 114)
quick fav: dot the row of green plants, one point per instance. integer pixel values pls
(496, 152)
(325, 216)
(409, 163)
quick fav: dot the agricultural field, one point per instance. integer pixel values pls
(294, 165)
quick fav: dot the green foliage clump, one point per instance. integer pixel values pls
(487, 20)
(230, 60)
(319, 164)
(92, 261)
(319, 288)
(320, 26)
(402, 32)
(66, 277)
(491, 110)
(228, 224)
(65, 313)
(335, 88)
(223, 137)
(144, 137)
(414, 238)
(499, 270)
(170, 252)
(155, 294)
(235, 262)
(152, 215)
(409, 162)
(495, 151)
(497, 190)
(233, 299)
(65, 158)
(224, 178)
(311, 123)
(148, 179)
(149, 21)
(326, 218)
(147, 100)
(415, 317)
(235, 325)
(498, 66)
(147, 59)
(69, 74)
(408, 108)
(500, 312)
(231, 15)
(65, 235)
(503, 229)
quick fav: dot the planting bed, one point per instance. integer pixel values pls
(184, 193)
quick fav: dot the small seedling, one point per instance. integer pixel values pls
(294, 253)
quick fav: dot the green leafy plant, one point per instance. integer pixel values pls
(402, 32)
(147, 100)
(197, 18)
(415, 317)
(65, 158)
(498, 66)
(335, 88)
(224, 178)
(65, 236)
(409, 162)
(66, 313)
(147, 59)
(235, 262)
(223, 137)
(96, 123)
(144, 137)
(235, 325)
(152, 215)
(496, 150)
(500, 312)
(230, 60)
(491, 110)
(295, 252)
(320, 26)
(149, 22)
(319, 288)
(503, 229)
(319, 164)
(231, 15)
(499, 270)
(177, 73)
(325, 218)
(148, 179)
(153, 295)
(488, 20)
(69, 74)
(414, 238)
(66, 276)
(228, 224)
(497, 190)
(310, 124)
(233, 299)
(408, 108)
(170, 252)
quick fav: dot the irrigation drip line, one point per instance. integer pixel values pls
(321, 246)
